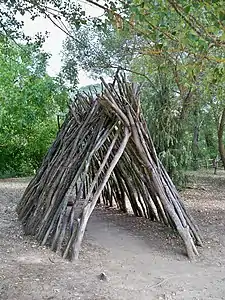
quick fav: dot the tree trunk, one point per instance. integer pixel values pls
(195, 147)
(220, 137)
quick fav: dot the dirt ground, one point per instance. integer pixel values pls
(141, 259)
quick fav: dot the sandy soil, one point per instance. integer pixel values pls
(141, 259)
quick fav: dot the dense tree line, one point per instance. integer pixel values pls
(29, 102)
(181, 70)
(175, 49)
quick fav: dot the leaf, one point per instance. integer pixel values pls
(222, 15)
(187, 9)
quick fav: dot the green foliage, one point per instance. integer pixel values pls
(174, 48)
(161, 110)
(11, 24)
(29, 102)
(175, 86)
(95, 50)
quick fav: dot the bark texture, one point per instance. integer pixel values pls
(220, 137)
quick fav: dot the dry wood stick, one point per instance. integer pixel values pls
(90, 206)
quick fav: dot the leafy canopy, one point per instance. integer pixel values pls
(29, 102)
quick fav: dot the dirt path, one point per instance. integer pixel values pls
(141, 259)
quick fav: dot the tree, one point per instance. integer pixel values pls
(98, 50)
(57, 12)
(29, 101)
(186, 36)
(167, 85)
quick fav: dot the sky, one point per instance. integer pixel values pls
(53, 44)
